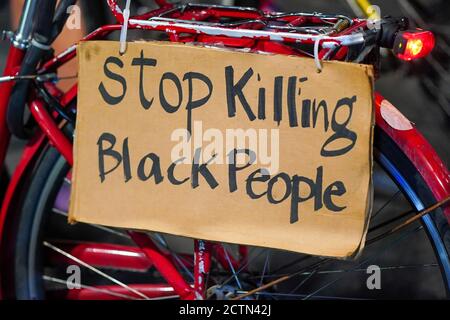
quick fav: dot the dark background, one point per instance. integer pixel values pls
(403, 90)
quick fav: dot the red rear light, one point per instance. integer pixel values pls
(410, 45)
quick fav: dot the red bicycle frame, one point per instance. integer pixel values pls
(148, 253)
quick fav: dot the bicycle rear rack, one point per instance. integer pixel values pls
(317, 35)
(237, 26)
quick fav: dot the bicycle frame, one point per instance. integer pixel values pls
(418, 150)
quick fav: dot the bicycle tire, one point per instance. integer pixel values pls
(52, 168)
(4, 180)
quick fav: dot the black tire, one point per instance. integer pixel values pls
(247, 3)
(41, 190)
(4, 180)
(51, 170)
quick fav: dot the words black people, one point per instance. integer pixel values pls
(306, 114)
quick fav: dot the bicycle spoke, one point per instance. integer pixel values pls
(387, 268)
(290, 295)
(390, 221)
(106, 291)
(163, 241)
(386, 204)
(177, 258)
(293, 263)
(174, 255)
(290, 276)
(109, 230)
(411, 220)
(392, 231)
(266, 263)
(242, 268)
(304, 258)
(310, 275)
(112, 293)
(374, 256)
(75, 259)
(282, 279)
(231, 267)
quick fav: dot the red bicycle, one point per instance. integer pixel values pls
(409, 236)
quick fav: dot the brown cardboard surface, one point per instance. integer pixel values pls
(133, 198)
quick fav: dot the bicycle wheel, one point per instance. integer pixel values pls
(414, 263)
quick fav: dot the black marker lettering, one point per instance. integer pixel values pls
(171, 175)
(315, 191)
(337, 188)
(234, 90)
(278, 100)
(203, 170)
(109, 99)
(155, 168)
(162, 97)
(109, 151)
(340, 130)
(251, 179)
(292, 106)
(287, 182)
(233, 168)
(192, 104)
(141, 62)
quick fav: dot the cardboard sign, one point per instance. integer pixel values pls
(226, 146)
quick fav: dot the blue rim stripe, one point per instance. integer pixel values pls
(427, 220)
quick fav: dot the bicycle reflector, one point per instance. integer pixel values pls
(410, 45)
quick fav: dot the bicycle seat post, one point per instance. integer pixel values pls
(23, 34)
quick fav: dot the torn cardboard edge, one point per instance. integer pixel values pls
(368, 69)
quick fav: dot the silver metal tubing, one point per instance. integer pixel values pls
(23, 34)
